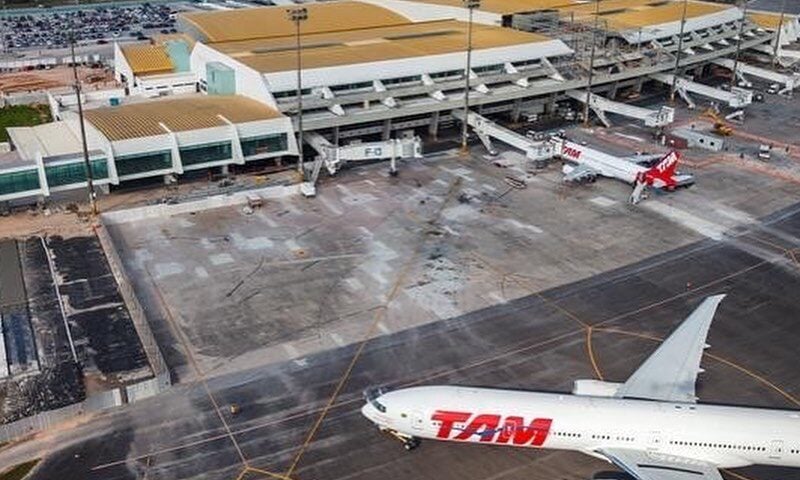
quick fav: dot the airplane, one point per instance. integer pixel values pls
(584, 164)
(651, 426)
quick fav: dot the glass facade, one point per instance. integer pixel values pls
(264, 144)
(210, 152)
(148, 162)
(72, 173)
(15, 182)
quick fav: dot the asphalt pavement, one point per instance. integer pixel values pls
(536, 342)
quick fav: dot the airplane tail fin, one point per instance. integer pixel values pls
(666, 168)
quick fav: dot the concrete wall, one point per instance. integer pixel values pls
(169, 84)
(218, 201)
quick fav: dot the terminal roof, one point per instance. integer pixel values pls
(620, 14)
(54, 140)
(369, 45)
(271, 22)
(148, 59)
(191, 112)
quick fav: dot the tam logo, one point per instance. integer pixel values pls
(571, 152)
(668, 162)
(492, 428)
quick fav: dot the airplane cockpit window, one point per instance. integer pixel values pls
(372, 395)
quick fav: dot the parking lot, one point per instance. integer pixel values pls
(99, 25)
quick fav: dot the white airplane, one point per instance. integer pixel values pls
(650, 426)
(584, 164)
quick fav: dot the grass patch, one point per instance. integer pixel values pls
(22, 116)
(20, 471)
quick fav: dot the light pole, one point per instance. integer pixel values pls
(778, 35)
(591, 63)
(298, 15)
(739, 45)
(678, 54)
(471, 5)
(87, 164)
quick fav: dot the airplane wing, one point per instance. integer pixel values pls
(670, 373)
(579, 172)
(658, 466)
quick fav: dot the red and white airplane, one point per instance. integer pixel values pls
(585, 164)
(650, 426)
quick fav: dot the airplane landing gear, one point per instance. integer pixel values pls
(411, 443)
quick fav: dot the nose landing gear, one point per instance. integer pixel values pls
(409, 442)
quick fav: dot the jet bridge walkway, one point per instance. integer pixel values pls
(601, 105)
(335, 157)
(736, 98)
(486, 130)
(790, 82)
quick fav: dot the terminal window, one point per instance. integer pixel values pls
(15, 182)
(264, 144)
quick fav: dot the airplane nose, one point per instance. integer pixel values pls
(369, 412)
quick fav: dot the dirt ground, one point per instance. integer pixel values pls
(60, 77)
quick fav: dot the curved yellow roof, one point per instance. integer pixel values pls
(136, 120)
(620, 14)
(148, 59)
(270, 22)
(370, 45)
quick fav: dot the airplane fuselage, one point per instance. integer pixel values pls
(725, 436)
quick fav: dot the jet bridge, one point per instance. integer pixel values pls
(790, 82)
(601, 105)
(335, 157)
(736, 98)
(535, 148)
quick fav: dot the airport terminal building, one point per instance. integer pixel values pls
(224, 91)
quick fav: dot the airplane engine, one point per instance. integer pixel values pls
(595, 388)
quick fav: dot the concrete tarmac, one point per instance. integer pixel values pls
(537, 342)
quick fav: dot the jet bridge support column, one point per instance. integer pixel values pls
(517, 111)
(387, 129)
(433, 127)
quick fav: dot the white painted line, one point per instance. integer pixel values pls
(3, 361)
(354, 284)
(488, 187)
(524, 226)
(629, 137)
(686, 219)
(337, 339)
(383, 328)
(330, 206)
(290, 350)
(449, 230)
(498, 297)
(220, 259)
(270, 222)
(603, 201)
